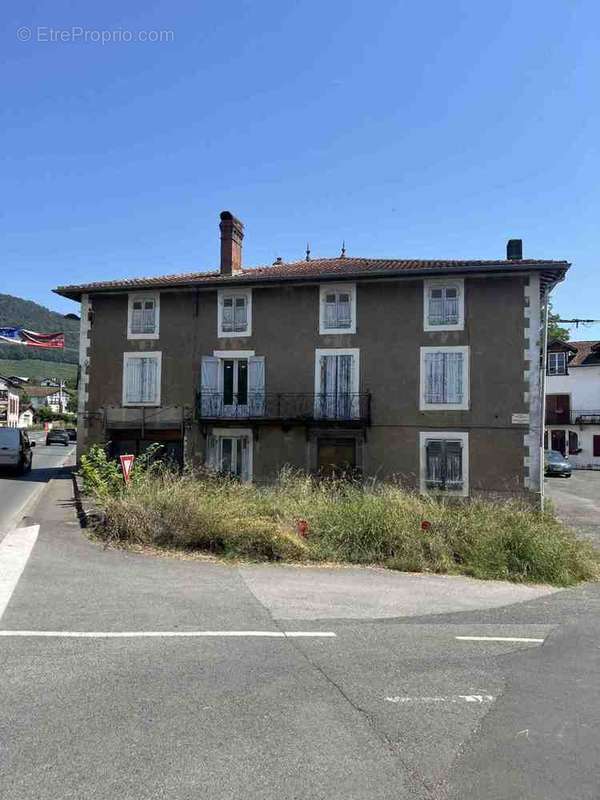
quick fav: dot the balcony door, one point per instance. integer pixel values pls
(336, 384)
(558, 409)
(232, 386)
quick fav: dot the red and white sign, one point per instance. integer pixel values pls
(126, 465)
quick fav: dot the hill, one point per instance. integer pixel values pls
(30, 315)
(36, 369)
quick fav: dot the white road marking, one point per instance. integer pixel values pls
(15, 549)
(453, 698)
(498, 639)
(169, 634)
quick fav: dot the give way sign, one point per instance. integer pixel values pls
(126, 465)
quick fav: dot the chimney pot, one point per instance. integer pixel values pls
(514, 249)
(232, 234)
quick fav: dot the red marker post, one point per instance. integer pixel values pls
(126, 465)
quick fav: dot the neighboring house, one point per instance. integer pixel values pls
(26, 418)
(9, 404)
(573, 401)
(51, 382)
(425, 370)
(56, 399)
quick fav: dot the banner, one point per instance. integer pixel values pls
(15, 335)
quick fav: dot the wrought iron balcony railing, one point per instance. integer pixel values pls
(285, 407)
(568, 417)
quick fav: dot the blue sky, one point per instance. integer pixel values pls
(411, 130)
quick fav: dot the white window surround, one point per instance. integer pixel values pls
(155, 297)
(442, 283)
(338, 351)
(246, 293)
(465, 404)
(424, 437)
(156, 354)
(330, 288)
(238, 433)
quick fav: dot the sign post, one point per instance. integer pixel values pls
(126, 465)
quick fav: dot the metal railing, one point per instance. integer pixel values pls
(285, 407)
(569, 417)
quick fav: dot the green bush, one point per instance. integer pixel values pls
(347, 522)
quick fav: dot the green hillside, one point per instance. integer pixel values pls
(37, 369)
(16, 311)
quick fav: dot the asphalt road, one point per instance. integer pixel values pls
(19, 492)
(577, 501)
(391, 704)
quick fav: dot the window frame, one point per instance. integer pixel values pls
(454, 436)
(157, 355)
(444, 283)
(465, 405)
(235, 433)
(565, 362)
(234, 292)
(131, 298)
(327, 288)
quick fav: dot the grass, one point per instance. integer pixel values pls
(37, 369)
(347, 523)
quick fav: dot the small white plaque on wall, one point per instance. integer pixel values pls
(520, 419)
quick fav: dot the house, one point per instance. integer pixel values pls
(427, 370)
(26, 417)
(573, 401)
(9, 404)
(51, 397)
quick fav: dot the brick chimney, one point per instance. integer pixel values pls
(232, 233)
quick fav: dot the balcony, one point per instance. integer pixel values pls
(287, 408)
(568, 417)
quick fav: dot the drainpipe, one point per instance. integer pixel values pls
(543, 393)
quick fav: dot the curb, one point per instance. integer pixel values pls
(88, 514)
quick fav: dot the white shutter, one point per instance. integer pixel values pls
(212, 453)
(209, 387)
(256, 385)
(151, 381)
(133, 380)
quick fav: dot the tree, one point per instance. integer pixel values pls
(555, 331)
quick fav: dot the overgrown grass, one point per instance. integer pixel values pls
(347, 522)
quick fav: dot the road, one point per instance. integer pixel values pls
(18, 493)
(130, 676)
(577, 501)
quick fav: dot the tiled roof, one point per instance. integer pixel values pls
(42, 391)
(588, 354)
(345, 267)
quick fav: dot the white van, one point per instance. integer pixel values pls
(15, 450)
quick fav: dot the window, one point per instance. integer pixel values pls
(229, 450)
(337, 308)
(143, 316)
(445, 462)
(232, 384)
(141, 379)
(596, 446)
(444, 305)
(573, 443)
(444, 378)
(557, 364)
(234, 312)
(336, 384)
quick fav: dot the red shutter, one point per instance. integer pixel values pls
(596, 446)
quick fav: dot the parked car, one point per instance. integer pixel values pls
(58, 436)
(557, 465)
(15, 450)
(72, 434)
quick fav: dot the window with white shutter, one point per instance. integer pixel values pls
(443, 305)
(337, 312)
(234, 313)
(143, 315)
(444, 378)
(337, 383)
(557, 364)
(445, 462)
(230, 451)
(141, 379)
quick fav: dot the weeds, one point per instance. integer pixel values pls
(347, 522)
